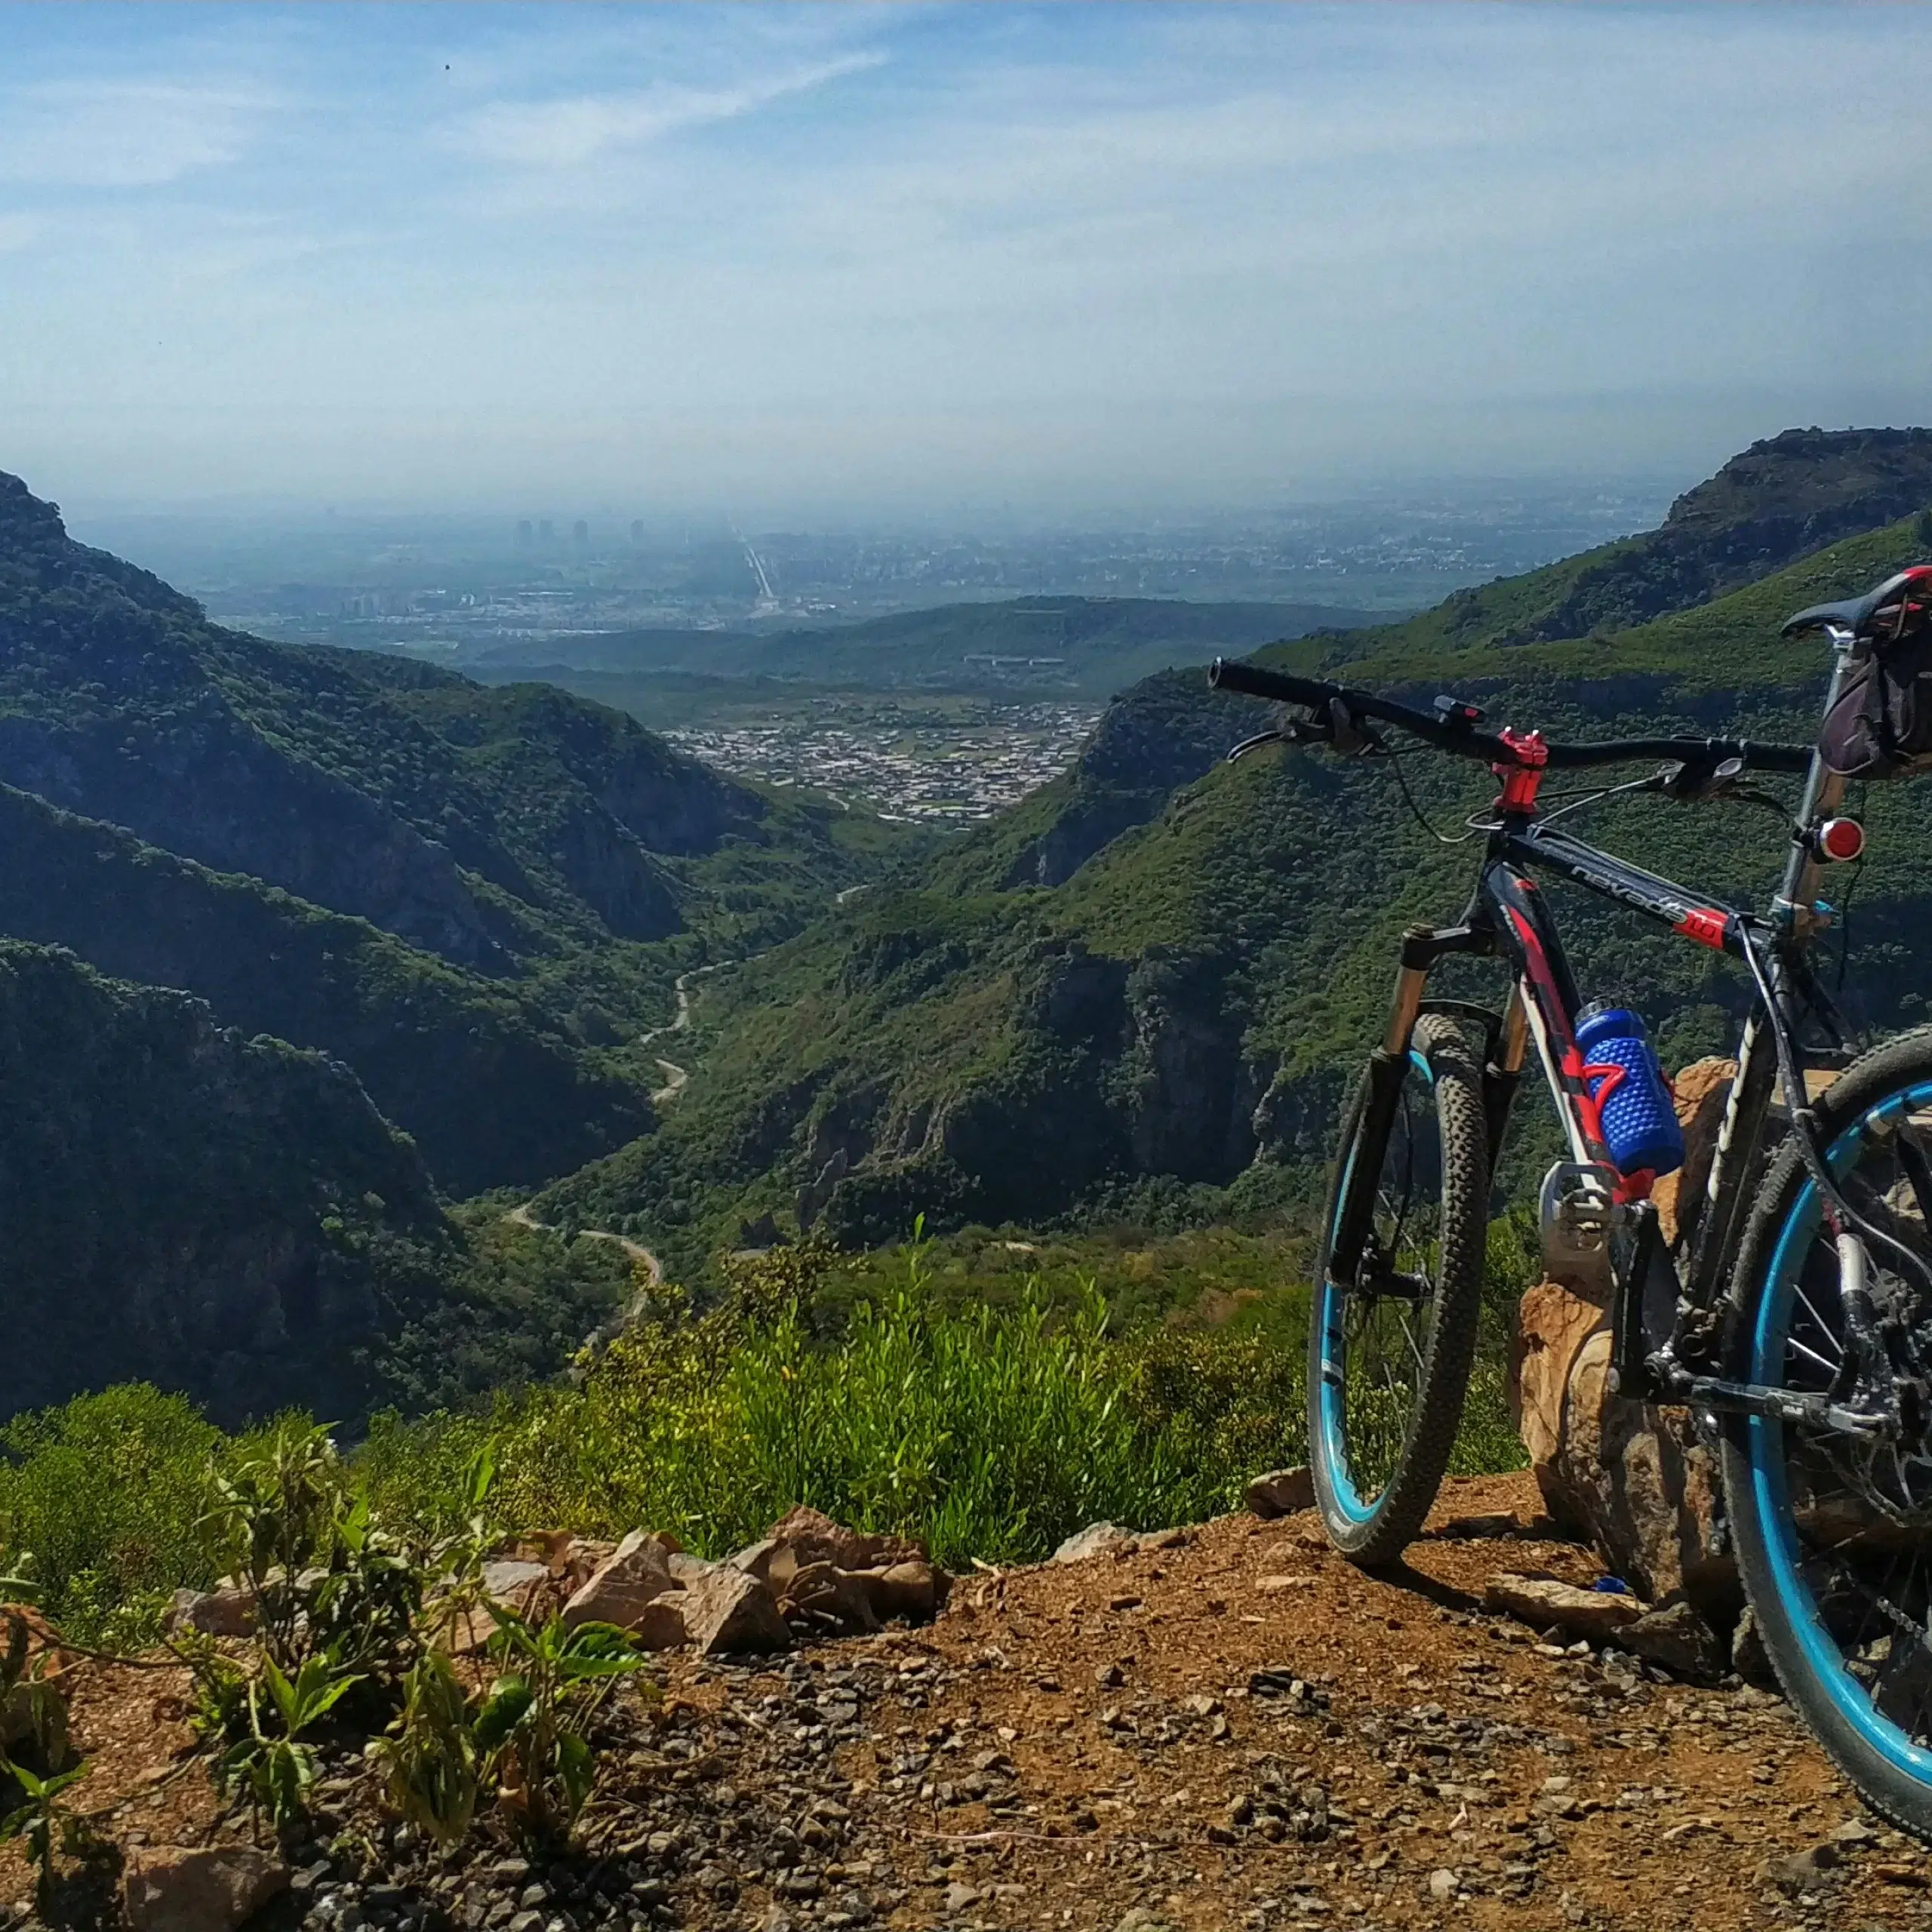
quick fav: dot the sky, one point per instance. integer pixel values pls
(814, 264)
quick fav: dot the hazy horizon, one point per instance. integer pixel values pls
(815, 266)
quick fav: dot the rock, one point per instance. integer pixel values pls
(1097, 1540)
(620, 1589)
(178, 1888)
(1281, 1493)
(1478, 1528)
(823, 1593)
(1678, 1639)
(1631, 1477)
(686, 1570)
(913, 1588)
(516, 1581)
(959, 1898)
(1749, 1657)
(814, 1537)
(755, 1559)
(1442, 1884)
(1177, 1537)
(1540, 1601)
(660, 1625)
(227, 1612)
(1800, 1871)
(726, 1612)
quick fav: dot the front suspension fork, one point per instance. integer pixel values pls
(1387, 1066)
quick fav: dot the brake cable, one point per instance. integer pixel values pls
(1421, 817)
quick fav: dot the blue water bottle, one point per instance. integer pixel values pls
(1640, 1125)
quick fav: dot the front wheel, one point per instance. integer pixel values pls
(1389, 1353)
(1833, 1529)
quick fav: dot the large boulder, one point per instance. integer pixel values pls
(200, 1888)
(1632, 1476)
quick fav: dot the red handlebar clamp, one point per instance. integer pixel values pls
(1521, 778)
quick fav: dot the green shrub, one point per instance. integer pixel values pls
(105, 1491)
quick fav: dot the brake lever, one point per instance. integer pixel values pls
(1295, 731)
(1692, 781)
(1339, 731)
(1699, 784)
(1347, 735)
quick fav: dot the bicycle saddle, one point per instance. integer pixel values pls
(1855, 614)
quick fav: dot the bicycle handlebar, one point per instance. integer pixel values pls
(1459, 736)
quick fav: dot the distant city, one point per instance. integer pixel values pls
(934, 770)
(530, 595)
(461, 587)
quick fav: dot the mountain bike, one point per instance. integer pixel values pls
(1792, 1314)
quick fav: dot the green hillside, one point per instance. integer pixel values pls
(477, 897)
(493, 1088)
(1181, 1012)
(232, 1218)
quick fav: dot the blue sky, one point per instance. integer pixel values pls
(812, 263)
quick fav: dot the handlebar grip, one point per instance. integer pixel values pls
(1251, 681)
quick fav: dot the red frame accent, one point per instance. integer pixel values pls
(1706, 925)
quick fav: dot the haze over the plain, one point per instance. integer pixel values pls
(802, 263)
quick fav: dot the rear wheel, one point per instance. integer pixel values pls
(1389, 1354)
(1834, 1531)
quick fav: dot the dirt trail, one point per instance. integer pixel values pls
(1238, 1731)
(675, 1075)
(654, 1268)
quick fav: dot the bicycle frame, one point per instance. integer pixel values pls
(1510, 919)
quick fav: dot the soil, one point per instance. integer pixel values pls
(1238, 1731)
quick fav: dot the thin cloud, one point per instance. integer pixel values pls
(18, 231)
(122, 134)
(573, 132)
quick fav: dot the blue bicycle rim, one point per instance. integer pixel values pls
(1331, 1303)
(1765, 1450)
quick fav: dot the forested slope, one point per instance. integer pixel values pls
(1183, 1008)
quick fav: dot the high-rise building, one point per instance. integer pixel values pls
(546, 531)
(523, 532)
(580, 532)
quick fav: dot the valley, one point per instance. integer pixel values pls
(1018, 958)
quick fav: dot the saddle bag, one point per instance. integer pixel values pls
(1880, 725)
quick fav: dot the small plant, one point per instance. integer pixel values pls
(430, 1760)
(31, 1702)
(327, 1579)
(273, 1766)
(531, 1728)
(41, 1818)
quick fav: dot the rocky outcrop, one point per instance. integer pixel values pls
(1192, 1088)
